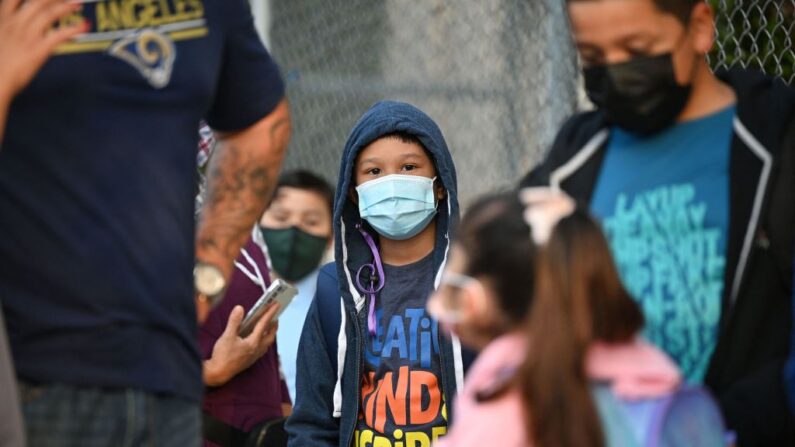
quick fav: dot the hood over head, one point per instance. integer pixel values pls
(351, 249)
(381, 119)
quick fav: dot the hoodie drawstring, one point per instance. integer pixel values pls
(375, 271)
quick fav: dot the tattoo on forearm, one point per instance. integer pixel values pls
(240, 181)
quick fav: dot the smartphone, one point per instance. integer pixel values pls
(278, 292)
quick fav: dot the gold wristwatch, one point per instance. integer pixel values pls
(209, 281)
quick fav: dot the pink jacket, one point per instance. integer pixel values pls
(636, 371)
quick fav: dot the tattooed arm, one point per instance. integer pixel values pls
(240, 180)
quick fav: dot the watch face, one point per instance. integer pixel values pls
(209, 280)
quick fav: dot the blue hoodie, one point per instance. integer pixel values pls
(330, 354)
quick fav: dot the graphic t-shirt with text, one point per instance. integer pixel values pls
(664, 204)
(402, 401)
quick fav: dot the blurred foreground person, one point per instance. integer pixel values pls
(25, 44)
(577, 375)
(97, 235)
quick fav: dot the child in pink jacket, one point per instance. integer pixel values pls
(573, 372)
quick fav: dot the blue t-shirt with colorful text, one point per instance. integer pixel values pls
(664, 205)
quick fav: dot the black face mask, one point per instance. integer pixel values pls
(640, 95)
(294, 252)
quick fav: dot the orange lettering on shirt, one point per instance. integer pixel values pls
(369, 409)
(419, 415)
(394, 399)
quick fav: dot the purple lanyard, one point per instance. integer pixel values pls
(375, 271)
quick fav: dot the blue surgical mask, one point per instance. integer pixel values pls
(397, 206)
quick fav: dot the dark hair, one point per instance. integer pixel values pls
(301, 179)
(579, 299)
(681, 9)
(498, 244)
(404, 137)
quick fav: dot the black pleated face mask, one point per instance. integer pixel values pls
(640, 95)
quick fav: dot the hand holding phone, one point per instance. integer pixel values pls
(279, 292)
(233, 354)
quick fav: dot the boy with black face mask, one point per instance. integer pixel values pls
(296, 228)
(691, 174)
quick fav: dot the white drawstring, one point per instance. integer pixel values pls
(255, 277)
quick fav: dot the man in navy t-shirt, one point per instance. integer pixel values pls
(97, 234)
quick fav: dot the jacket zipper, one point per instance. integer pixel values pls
(358, 376)
(443, 369)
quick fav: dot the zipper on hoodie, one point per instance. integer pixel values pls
(358, 376)
(442, 363)
(443, 370)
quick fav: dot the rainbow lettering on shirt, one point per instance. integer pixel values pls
(404, 407)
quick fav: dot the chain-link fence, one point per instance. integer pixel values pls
(498, 76)
(756, 33)
(495, 75)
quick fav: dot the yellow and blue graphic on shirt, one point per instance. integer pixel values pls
(139, 32)
(404, 406)
(672, 261)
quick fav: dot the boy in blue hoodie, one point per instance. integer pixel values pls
(373, 369)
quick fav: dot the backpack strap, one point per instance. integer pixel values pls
(329, 305)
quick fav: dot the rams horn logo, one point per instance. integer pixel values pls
(151, 52)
